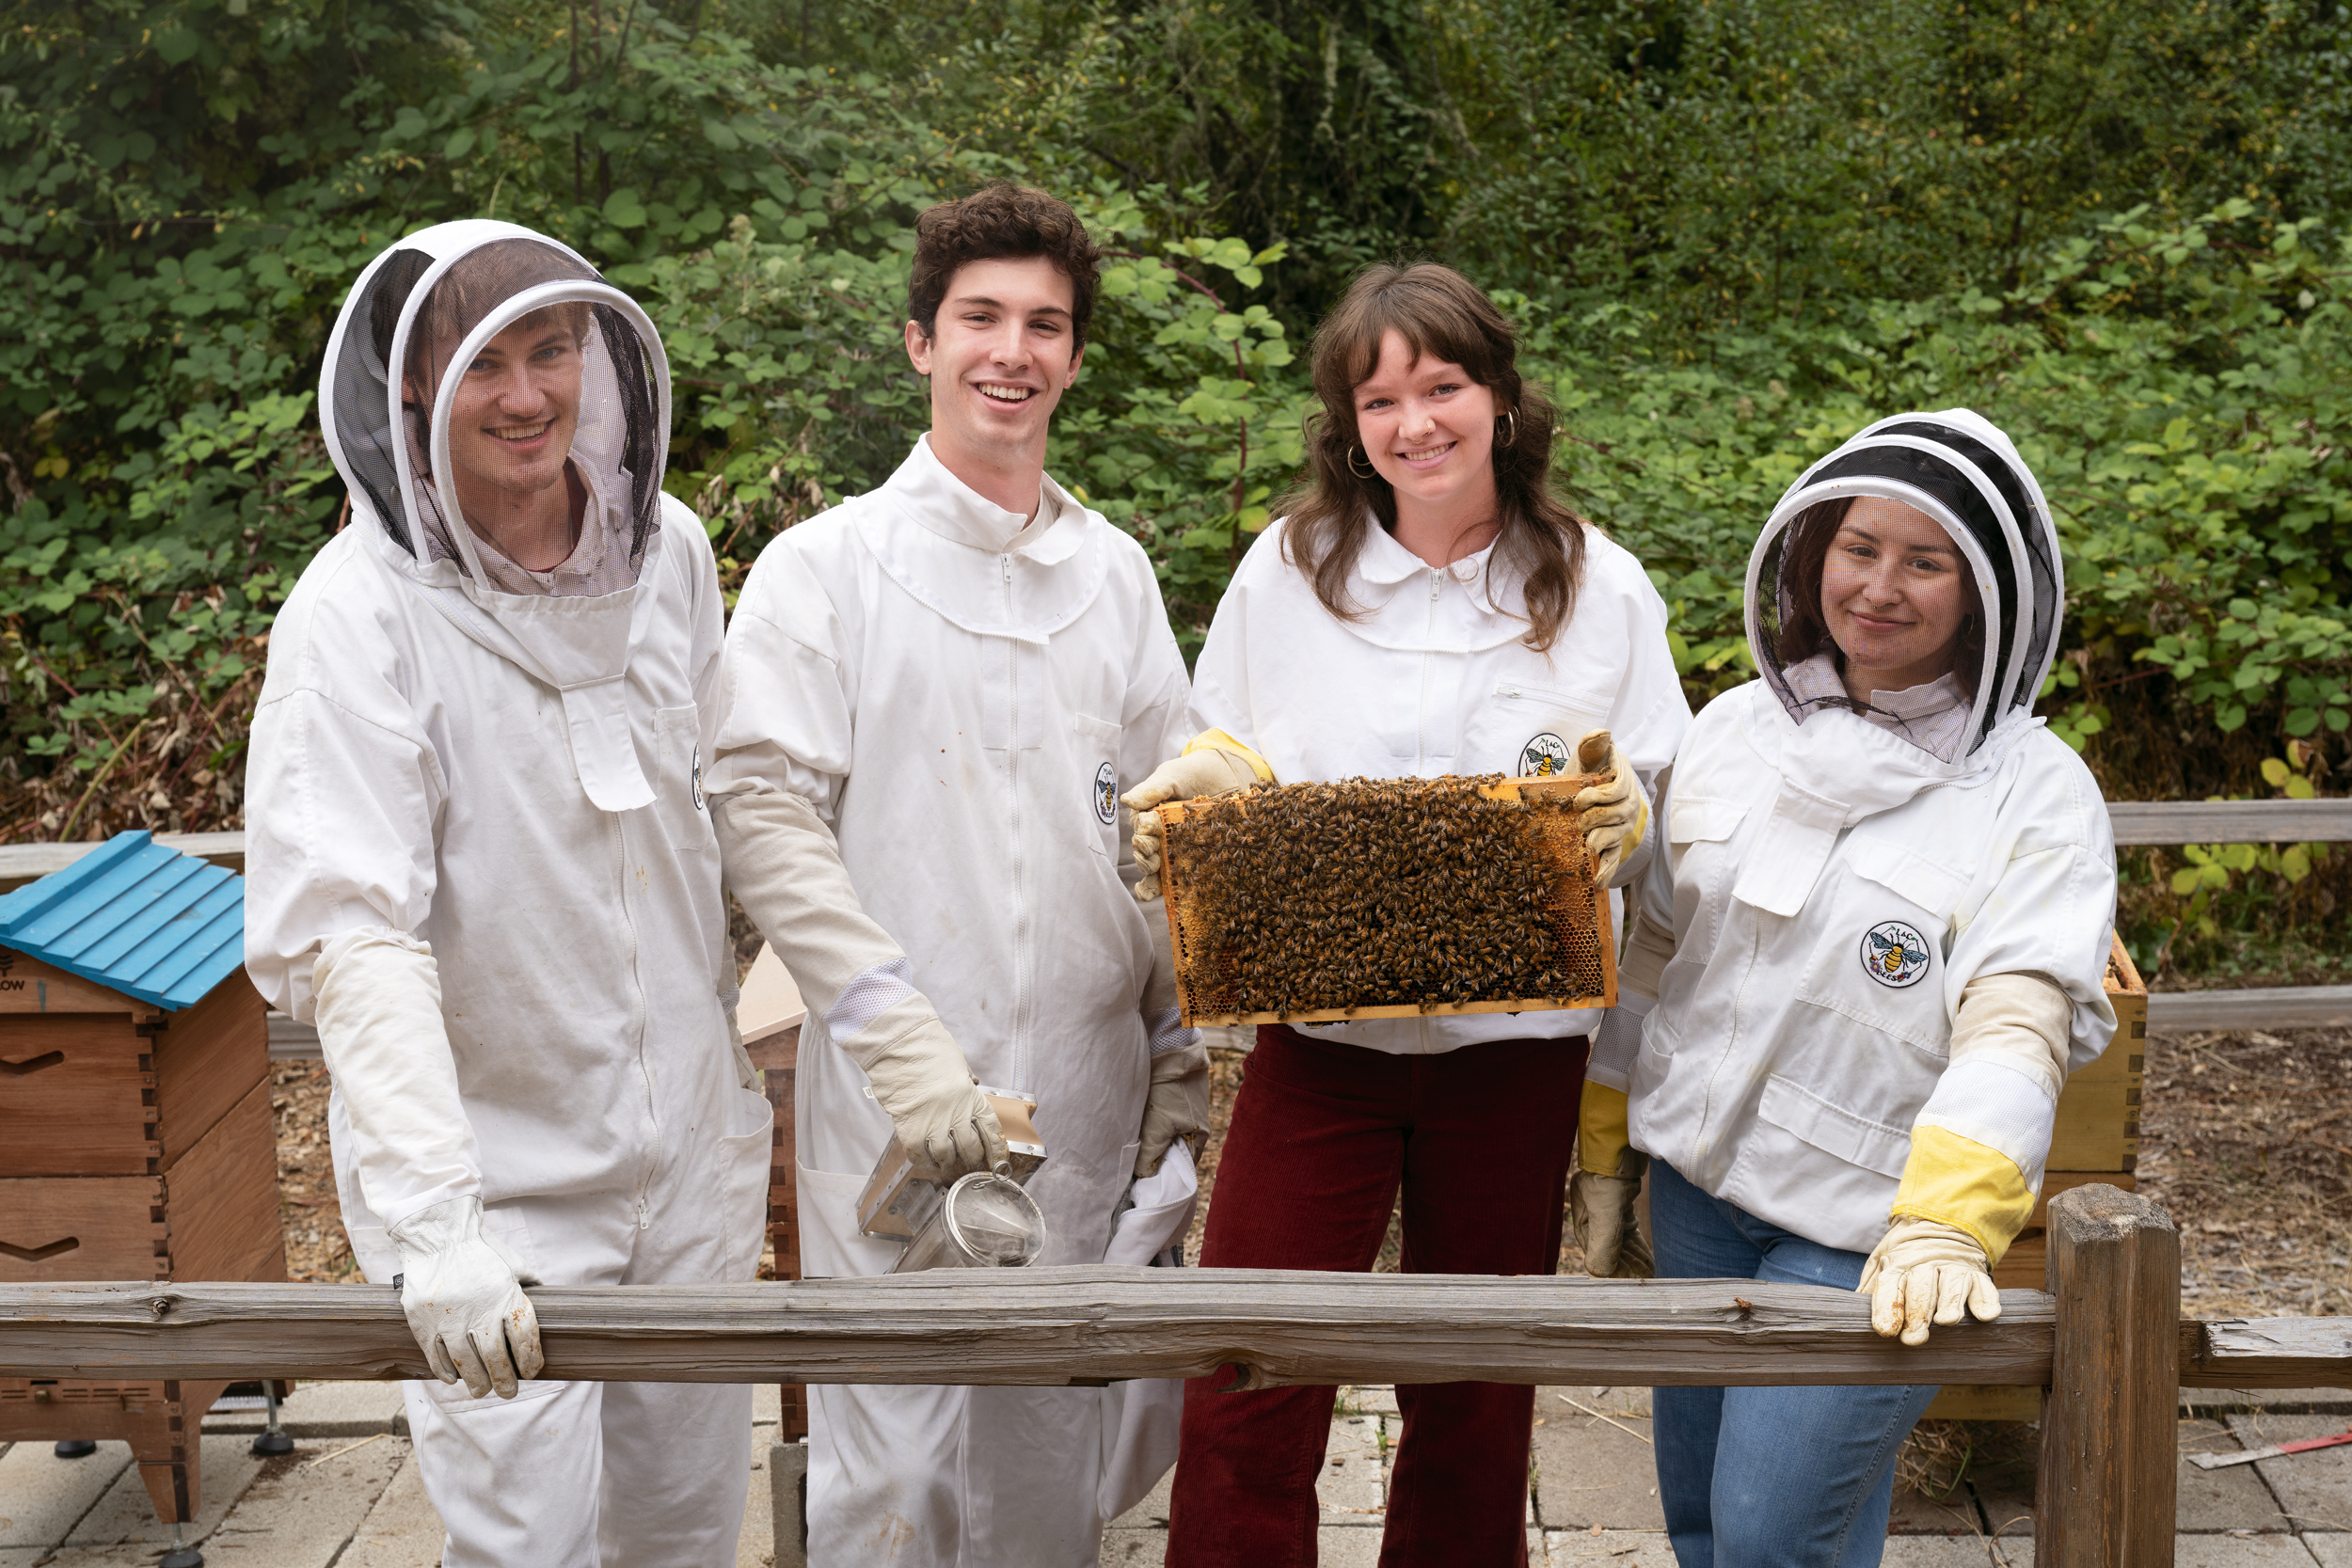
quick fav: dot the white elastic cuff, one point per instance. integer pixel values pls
(1618, 1040)
(866, 997)
(1169, 1032)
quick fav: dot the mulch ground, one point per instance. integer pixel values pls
(2246, 1138)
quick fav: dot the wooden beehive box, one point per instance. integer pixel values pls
(1215, 969)
(136, 1134)
(768, 1017)
(2096, 1139)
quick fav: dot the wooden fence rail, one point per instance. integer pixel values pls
(2105, 1343)
(1058, 1325)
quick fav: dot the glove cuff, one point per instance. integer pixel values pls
(437, 1227)
(1603, 1145)
(1218, 740)
(1962, 1186)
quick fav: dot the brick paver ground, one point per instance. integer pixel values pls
(349, 1496)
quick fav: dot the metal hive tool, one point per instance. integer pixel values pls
(1385, 898)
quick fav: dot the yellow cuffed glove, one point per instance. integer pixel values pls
(1605, 1187)
(1614, 816)
(1212, 763)
(1959, 1206)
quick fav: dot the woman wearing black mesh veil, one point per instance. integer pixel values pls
(1876, 942)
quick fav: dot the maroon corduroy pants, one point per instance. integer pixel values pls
(1323, 1134)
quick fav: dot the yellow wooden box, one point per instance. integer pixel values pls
(2096, 1139)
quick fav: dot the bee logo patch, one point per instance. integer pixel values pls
(1544, 757)
(1106, 794)
(1894, 955)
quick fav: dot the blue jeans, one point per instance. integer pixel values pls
(1768, 1477)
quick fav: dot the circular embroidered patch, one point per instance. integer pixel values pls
(1544, 757)
(1893, 954)
(1106, 794)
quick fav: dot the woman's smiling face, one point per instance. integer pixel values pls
(1895, 590)
(1428, 428)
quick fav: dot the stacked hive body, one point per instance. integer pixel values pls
(1387, 899)
(2096, 1139)
(136, 1136)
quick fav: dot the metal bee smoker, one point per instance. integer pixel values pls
(982, 1220)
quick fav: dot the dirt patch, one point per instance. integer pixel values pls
(2246, 1138)
(317, 1251)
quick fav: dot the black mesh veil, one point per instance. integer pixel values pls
(1964, 472)
(2043, 590)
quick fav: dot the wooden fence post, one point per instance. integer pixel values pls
(2108, 1459)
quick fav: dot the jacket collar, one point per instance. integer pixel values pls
(945, 505)
(1383, 562)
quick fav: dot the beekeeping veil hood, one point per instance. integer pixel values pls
(1961, 470)
(420, 316)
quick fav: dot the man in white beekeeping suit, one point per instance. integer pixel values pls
(932, 697)
(477, 854)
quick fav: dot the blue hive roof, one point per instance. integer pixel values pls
(135, 917)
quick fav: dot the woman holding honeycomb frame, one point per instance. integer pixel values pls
(1876, 940)
(1427, 607)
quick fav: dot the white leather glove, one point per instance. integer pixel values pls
(462, 1294)
(1213, 763)
(944, 1123)
(1615, 815)
(784, 868)
(1922, 1272)
(1177, 1104)
(1601, 1210)
(378, 999)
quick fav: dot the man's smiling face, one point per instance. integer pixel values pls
(1000, 354)
(517, 406)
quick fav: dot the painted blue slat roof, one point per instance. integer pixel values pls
(135, 917)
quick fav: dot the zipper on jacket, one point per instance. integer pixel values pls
(1020, 893)
(644, 1068)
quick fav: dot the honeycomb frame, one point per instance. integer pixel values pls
(1573, 914)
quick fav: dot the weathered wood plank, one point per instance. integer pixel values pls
(2275, 1008)
(23, 863)
(2231, 821)
(1047, 1326)
(2109, 1482)
(2268, 1353)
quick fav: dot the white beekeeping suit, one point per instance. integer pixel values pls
(1883, 934)
(957, 694)
(477, 853)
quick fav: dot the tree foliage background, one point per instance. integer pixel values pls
(1732, 231)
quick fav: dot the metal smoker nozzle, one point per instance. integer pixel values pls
(899, 1197)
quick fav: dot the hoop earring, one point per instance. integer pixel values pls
(1367, 471)
(1511, 416)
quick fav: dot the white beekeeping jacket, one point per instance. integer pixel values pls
(962, 699)
(505, 765)
(1832, 887)
(1434, 678)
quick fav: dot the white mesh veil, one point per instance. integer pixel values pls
(381, 423)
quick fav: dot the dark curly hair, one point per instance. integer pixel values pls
(1001, 219)
(1443, 316)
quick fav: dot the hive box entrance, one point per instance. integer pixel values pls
(1385, 898)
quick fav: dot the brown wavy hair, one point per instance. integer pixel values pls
(1001, 220)
(1441, 315)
